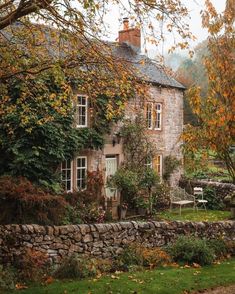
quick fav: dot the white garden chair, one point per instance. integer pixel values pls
(200, 201)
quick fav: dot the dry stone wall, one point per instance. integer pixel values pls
(222, 189)
(101, 240)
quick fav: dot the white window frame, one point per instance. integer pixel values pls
(158, 116)
(71, 175)
(80, 168)
(149, 115)
(149, 163)
(86, 111)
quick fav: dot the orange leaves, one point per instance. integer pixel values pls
(20, 286)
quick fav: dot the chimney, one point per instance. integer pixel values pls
(130, 36)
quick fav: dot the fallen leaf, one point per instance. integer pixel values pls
(196, 265)
(115, 277)
(20, 286)
(49, 280)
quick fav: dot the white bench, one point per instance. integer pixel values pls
(180, 197)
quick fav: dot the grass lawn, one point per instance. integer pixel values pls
(189, 215)
(160, 281)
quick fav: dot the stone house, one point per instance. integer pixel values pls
(163, 111)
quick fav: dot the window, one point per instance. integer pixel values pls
(154, 116)
(158, 164)
(158, 116)
(81, 172)
(66, 175)
(81, 111)
(149, 115)
(149, 162)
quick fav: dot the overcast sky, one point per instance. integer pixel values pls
(194, 6)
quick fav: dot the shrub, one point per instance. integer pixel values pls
(32, 265)
(218, 246)
(191, 250)
(171, 163)
(7, 279)
(130, 256)
(127, 182)
(214, 201)
(75, 267)
(84, 208)
(230, 245)
(22, 202)
(153, 257)
(162, 197)
(138, 255)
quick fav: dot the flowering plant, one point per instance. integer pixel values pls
(124, 205)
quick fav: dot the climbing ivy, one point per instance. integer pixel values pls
(37, 127)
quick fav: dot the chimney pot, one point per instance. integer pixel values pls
(130, 36)
(125, 23)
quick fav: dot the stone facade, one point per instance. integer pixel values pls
(101, 240)
(164, 92)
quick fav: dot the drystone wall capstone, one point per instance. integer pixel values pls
(101, 240)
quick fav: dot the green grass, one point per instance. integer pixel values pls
(160, 281)
(190, 215)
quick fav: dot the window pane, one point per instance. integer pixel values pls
(81, 172)
(81, 111)
(66, 175)
(149, 115)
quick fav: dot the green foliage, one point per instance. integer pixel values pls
(191, 250)
(162, 197)
(138, 148)
(87, 206)
(149, 179)
(127, 182)
(89, 138)
(219, 247)
(32, 265)
(36, 131)
(75, 267)
(23, 202)
(171, 163)
(7, 279)
(128, 258)
(101, 120)
(136, 254)
(214, 201)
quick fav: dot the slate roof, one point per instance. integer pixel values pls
(147, 69)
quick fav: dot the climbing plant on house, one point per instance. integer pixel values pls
(37, 126)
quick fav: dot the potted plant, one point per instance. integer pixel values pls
(126, 181)
(122, 210)
(141, 205)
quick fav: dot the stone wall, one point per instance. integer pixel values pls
(101, 240)
(222, 189)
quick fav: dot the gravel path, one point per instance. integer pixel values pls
(220, 290)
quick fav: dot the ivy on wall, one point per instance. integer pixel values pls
(36, 126)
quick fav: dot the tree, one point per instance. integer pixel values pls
(82, 22)
(216, 113)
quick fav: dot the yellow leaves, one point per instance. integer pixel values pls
(20, 286)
